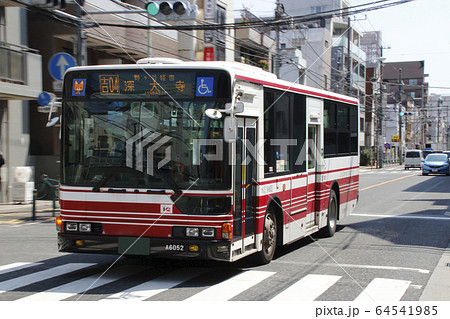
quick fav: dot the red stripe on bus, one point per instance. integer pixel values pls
(295, 89)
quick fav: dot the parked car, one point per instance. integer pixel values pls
(436, 163)
(413, 159)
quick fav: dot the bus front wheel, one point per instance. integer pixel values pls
(269, 241)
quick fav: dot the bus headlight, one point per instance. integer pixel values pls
(192, 231)
(208, 232)
(71, 226)
(85, 228)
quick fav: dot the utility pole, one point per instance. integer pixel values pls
(349, 58)
(81, 54)
(438, 123)
(380, 117)
(279, 12)
(400, 117)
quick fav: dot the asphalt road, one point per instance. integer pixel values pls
(387, 249)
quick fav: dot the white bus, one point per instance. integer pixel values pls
(207, 160)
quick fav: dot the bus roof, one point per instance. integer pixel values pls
(240, 71)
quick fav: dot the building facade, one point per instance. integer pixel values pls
(407, 92)
(331, 49)
(20, 85)
(437, 122)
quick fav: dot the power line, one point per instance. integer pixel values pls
(376, 5)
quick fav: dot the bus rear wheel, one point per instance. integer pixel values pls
(332, 214)
(269, 241)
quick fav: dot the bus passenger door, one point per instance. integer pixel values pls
(315, 159)
(244, 221)
(312, 174)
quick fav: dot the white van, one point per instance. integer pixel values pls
(413, 159)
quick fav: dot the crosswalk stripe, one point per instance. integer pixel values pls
(157, 285)
(231, 287)
(41, 275)
(79, 286)
(308, 288)
(16, 266)
(382, 289)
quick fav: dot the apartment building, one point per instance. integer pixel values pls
(20, 85)
(436, 121)
(331, 48)
(407, 94)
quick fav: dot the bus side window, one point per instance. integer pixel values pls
(277, 132)
(299, 133)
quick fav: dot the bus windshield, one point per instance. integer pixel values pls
(153, 144)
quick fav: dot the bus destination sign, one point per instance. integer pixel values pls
(147, 84)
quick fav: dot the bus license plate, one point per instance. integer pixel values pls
(174, 247)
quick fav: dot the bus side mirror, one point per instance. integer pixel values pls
(238, 107)
(230, 129)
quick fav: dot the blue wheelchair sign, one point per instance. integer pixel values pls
(59, 63)
(205, 86)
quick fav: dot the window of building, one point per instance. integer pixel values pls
(317, 9)
(2, 24)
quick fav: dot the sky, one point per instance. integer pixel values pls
(414, 31)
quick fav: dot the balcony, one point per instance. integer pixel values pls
(255, 38)
(342, 41)
(20, 72)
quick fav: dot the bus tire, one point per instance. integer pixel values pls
(269, 241)
(332, 215)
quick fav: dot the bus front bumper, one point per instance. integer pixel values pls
(154, 247)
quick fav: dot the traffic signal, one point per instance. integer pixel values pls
(172, 10)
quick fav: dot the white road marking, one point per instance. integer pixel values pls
(231, 287)
(16, 266)
(308, 288)
(382, 289)
(79, 286)
(402, 216)
(157, 285)
(41, 275)
(419, 270)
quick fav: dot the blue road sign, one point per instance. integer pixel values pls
(59, 63)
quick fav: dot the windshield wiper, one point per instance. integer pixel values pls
(102, 182)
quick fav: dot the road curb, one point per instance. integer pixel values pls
(438, 287)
